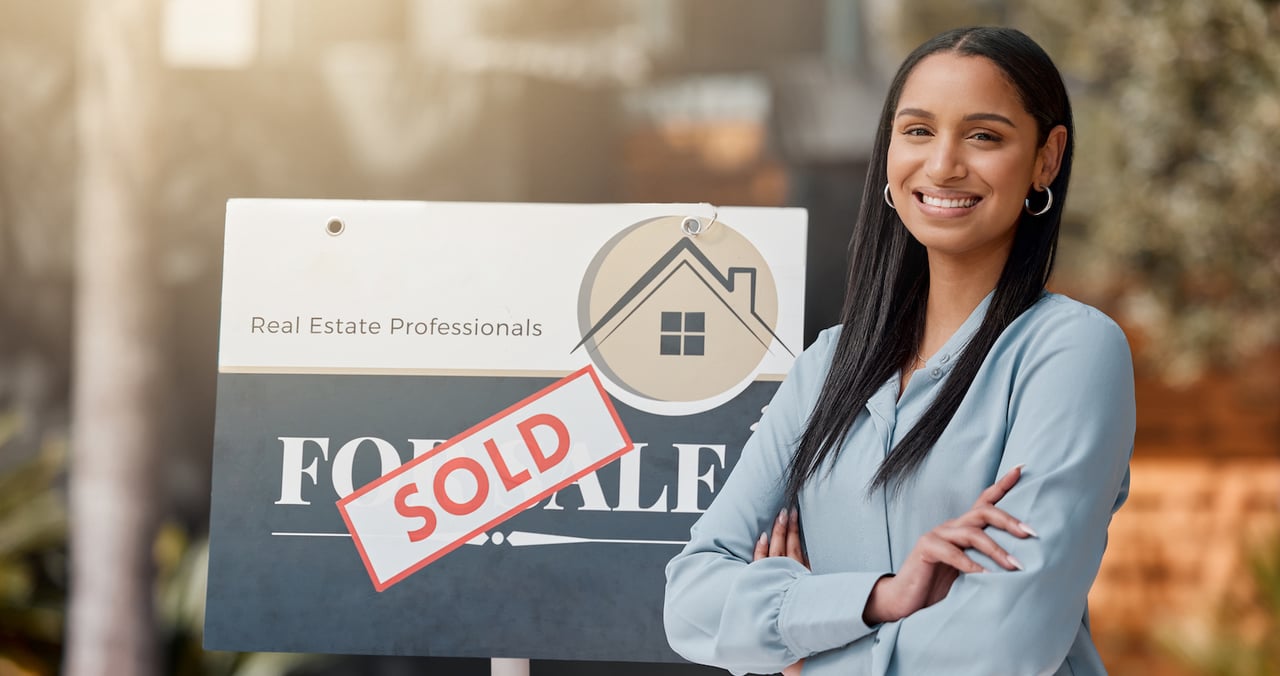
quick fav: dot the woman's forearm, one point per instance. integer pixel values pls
(881, 606)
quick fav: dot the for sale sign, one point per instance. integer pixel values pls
(482, 429)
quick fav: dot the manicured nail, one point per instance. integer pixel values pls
(1028, 530)
(782, 516)
(1016, 563)
(764, 538)
(795, 515)
(1019, 466)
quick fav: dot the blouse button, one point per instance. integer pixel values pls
(937, 373)
(944, 359)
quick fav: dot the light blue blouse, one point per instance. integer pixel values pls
(1055, 393)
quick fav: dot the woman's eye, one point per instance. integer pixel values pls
(985, 136)
(916, 131)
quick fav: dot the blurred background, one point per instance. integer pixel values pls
(125, 125)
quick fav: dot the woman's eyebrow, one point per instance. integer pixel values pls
(971, 117)
(915, 112)
(989, 117)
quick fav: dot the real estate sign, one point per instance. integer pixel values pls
(482, 430)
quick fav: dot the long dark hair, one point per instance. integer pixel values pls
(883, 316)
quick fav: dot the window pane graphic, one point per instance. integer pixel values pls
(670, 321)
(683, 334)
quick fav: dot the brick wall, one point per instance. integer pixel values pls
(1227, 413)
(1177, 557)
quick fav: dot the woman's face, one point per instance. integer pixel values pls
(964, 155)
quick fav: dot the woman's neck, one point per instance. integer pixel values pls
(955, 288)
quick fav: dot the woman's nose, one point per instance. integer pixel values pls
(945, 162)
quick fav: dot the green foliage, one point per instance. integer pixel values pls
(33, 531)
(33, 578)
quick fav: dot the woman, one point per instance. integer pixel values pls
(956, 448)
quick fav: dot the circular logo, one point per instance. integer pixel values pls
(678, 322)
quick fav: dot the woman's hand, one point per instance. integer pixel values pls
(938, 557)
(784, 541)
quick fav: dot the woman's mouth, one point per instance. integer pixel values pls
(948, 203)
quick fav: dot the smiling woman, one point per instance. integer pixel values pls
(913, 447)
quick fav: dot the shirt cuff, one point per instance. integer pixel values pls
(824, 612)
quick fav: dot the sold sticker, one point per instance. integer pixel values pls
(433, 504)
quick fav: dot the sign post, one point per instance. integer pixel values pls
(505, 666)
(481, 430)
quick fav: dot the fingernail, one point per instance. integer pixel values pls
(782, 516)
(764, 537)
(1028, 529)
(1016, 563)
(1020, 465)
(795, 514)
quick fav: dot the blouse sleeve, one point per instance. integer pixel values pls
(1071, 421)
(722, 609)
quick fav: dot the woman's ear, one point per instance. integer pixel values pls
(1049, 157)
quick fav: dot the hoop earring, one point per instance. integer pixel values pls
(889, 200)
(1026, 204)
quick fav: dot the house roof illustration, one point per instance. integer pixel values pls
(686, 255)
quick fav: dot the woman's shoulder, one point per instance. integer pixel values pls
(1057, 321)
(816, 358)
(826, 341)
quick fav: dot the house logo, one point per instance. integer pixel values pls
(678, 324)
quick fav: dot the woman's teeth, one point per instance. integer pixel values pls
(948, 204)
